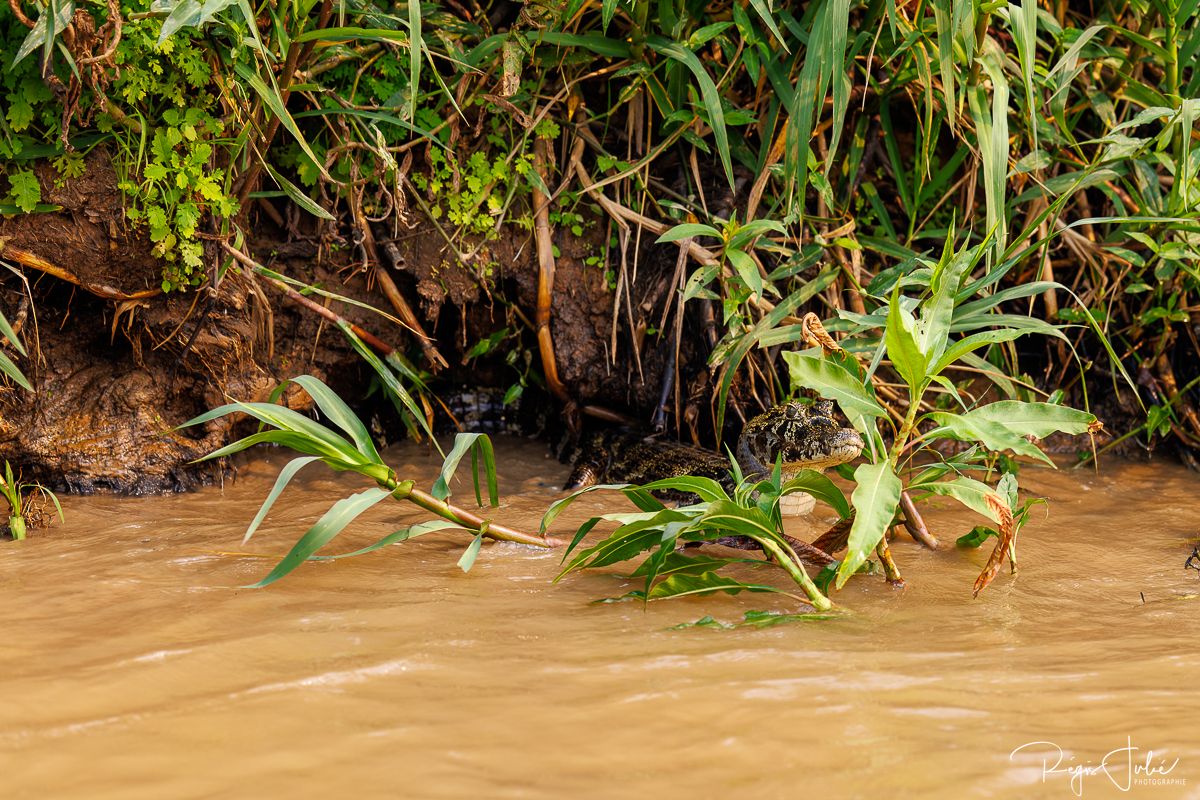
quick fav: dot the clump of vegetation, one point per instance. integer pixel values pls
(26, 503)
(914, 334)
(352, 450)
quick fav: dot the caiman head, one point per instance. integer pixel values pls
(808, 437)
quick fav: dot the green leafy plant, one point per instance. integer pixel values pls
(470, 196)
(919, 342)
(170, 176)
(751, 512)
(349, 449)
(25, 502)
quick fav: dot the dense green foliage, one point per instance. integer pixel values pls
(872, 129)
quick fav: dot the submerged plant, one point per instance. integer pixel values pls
(751, 512)
(25, 501)
(352, 450)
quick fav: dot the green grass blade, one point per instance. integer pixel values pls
(296, 194)
(337, 412)
(467, 560)
(402, 535)
(290, 439)
(274, 101)
(417, 43)
(708, 93)
(334, 521)
(13, 372)
(991, 125)
(285, 476)
(390, 381)
(1023, 19)
(763, 9)
(11, 335)
(468, 443)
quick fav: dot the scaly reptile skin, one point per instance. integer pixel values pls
(808, 437)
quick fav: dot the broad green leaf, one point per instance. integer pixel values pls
(682, 585)
(834, 382)
(747, 270)
(676, 561)
(992, 435)
(725, 516)
(819, 486)
(668, 536)
(938, 312)
(976, 537)
(902, 346)
(969, 344)
(971, 493)
(625, 542)
(706, 489)
(1035, 419)
(875, 498)
(25, 189)
(688, 230)
(191, 13)
(341, 514)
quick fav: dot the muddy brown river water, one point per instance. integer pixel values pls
(133, 666)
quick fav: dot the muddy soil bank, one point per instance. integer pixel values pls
(117, 365)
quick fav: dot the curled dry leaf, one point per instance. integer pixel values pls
(1008, 532)
(815, 334)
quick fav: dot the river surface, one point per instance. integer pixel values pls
(133, 666)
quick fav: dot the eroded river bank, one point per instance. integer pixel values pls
(134, 667)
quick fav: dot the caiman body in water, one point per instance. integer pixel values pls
(801, 436)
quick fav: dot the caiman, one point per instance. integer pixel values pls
(807, 437)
